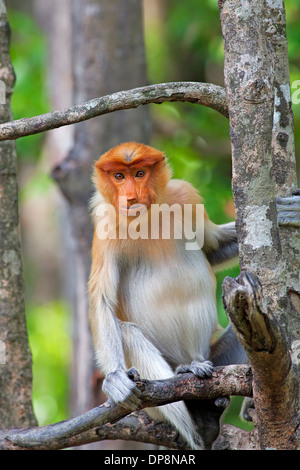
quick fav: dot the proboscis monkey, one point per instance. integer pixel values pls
(153, 290)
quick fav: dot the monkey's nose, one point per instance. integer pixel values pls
(131, 200)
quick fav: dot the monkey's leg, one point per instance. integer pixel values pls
(227, 350)
(206, 414)
(141, 354)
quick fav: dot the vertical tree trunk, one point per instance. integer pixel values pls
(108, 56)
(284, 171)
(254, 75)
(283, 142)
(15, 365)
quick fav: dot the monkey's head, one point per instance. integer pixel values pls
(136, 173)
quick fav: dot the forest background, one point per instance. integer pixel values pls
(183, 42)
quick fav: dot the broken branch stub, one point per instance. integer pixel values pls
(243, 302)
(275, 384)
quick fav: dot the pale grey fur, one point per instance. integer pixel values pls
(288, 210)
(172, 315)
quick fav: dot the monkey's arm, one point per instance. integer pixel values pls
(105, 328)
(109, 352)
(227, 349)
(220, 245)
(288, 209)
(220, 241)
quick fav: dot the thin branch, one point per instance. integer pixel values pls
(205, 94)
(226, 381)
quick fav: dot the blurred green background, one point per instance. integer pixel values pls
(183, 42)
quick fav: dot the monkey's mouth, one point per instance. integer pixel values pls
(132, 211)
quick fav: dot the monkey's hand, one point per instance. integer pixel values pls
(200, 369)
(120, 387)
(288, 209)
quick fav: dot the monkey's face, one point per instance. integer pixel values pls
(131, 176)
(133, 189)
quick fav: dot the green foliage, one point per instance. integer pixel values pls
(186, 39)
(293, 35)
(29, 57)
(50, 342)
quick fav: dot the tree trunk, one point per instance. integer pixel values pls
(254, 75)
(285, 174)
(15, 364)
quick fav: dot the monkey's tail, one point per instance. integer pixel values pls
(178, 415)
(145, 357)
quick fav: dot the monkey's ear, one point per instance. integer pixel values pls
(96, 172)
(98, 166)
(99, 176)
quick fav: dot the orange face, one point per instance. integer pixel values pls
(132, 187)
(131, 175)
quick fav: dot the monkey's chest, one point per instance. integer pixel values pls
(173, 303)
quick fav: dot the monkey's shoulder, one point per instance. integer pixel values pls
(182, 192)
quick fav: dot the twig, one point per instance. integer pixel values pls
(206, 94)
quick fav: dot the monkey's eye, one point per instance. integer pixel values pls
(119, 176)
(140, 174)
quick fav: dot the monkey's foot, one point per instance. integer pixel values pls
(222, 402)
(200, 369)
(120, 387)
(247, 409)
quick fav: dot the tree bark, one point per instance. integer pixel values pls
(284, 171)
(283, 141)
(15, 363)
(251, 76)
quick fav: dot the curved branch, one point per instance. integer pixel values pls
(226, 381)
(206, 94)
